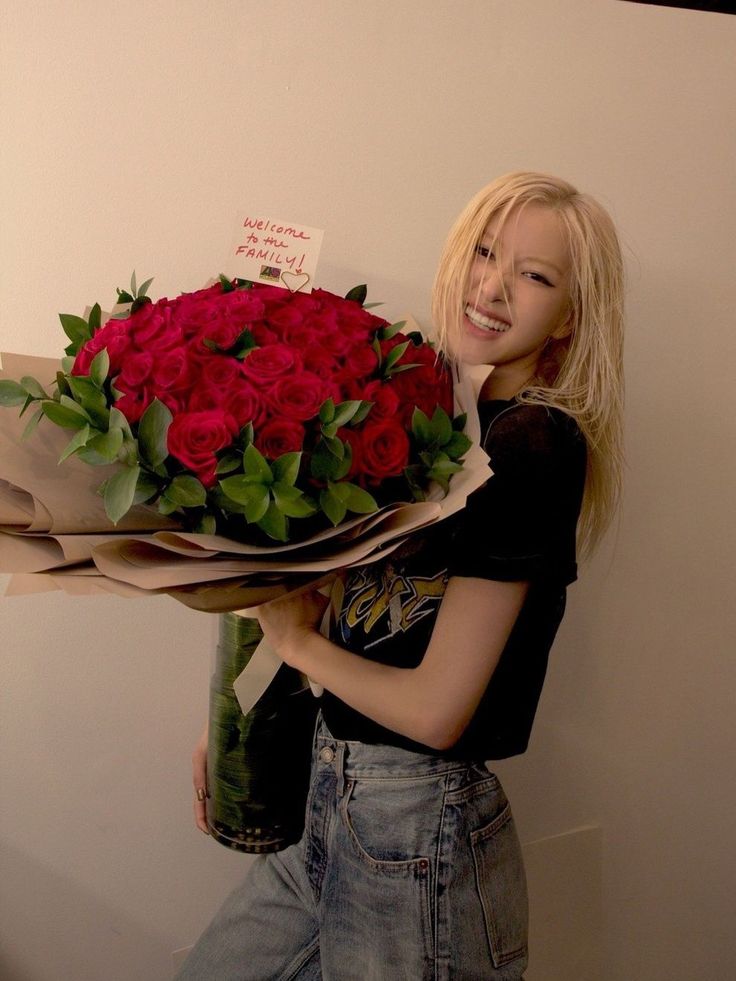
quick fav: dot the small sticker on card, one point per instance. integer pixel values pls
(275, 252)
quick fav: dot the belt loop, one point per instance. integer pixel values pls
(340, 748)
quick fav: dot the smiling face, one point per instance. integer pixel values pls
(518, 298)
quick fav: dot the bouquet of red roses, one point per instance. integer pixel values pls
(242, 408)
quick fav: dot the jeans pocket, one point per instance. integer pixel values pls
(501, 885)
(366, 818)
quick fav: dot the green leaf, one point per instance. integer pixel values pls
(165, 506)
(146, 487)
(88, 396)
(123, 297)
(244, 344)
(421, 427)
(119, 421)
(362, 413)
(332, 506)
(391, 330)
(99, 367)
(229, 462)
(394, 354)
(78, 440)
(336, 447)
(32, 423)
(330, 431)
(358, 294)
(62, 385)
(119, 492)
(133, 287)
(28, 402)
(95, 318)
(33, 387)
(358, 500)
(255, 466)
(445, 468)
(76, 328)
(186, 491)
(397, 369)
(152, 432)
(11, 393)
(459, 422)
(246, 435)
(275, 524)
(457, 446)
(345, 411)
(63, 416)
(227, 286)
(66, 366)
(291, 501)
(207, 525)
(253, 496)
(107, 445)
(441, 426)
(327, 412)
(143, 288)
(370, 306)
(375, 344)
(286, 467)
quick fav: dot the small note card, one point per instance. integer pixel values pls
(280, 253)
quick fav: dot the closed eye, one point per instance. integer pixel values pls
(538, 278)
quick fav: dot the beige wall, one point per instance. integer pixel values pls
(132, 132)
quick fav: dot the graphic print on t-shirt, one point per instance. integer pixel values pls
(384, 605)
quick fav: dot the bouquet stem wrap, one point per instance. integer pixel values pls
(258, 764)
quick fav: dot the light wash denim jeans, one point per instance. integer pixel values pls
(409, 869)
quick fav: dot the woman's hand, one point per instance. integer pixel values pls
(199, 779)
(286, 620)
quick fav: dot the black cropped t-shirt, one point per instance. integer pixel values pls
(519, 526)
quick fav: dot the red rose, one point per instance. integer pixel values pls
(386, 402)
(286, 316)
(222, 371)
(359, 362)
(265, 364)
(278, 437)
(133, 402)
(136, 369)
(298, 396)
(152, 328)
(223, 333)
(205, 397)
(195, 437)
(423, 387)
(170, 370)
(319, 361)
(114, 337)
(246, 404)
(384, 449)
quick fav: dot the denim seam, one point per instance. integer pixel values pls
(303, 957)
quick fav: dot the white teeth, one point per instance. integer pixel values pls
(485, 323)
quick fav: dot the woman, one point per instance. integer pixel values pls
(410, 866)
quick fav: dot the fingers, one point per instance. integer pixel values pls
(199, 781)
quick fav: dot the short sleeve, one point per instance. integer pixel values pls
(521, 524)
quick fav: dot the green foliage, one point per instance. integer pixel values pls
(358, 294)
(119, 492)
(153, 428)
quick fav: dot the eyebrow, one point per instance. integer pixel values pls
(543, 262)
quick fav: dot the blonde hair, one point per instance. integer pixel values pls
(582, 373)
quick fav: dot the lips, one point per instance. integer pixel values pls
(484, 323)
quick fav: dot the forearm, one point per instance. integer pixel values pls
(393, 697)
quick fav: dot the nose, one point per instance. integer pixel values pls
(493, 286)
